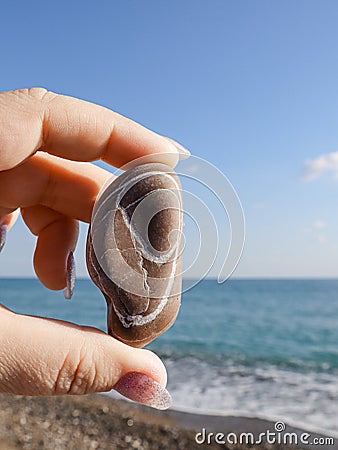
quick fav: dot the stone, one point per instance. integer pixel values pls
(134, 252)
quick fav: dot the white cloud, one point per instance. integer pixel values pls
(322, 239)
(319, 224)
(323, 163)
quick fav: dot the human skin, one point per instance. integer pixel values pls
(46, 144)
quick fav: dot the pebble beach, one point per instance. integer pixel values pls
(100, 422)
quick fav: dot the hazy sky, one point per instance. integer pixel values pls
(252, 86)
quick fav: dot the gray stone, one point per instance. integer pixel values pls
(134, 250)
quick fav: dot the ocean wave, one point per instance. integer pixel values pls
(197, 353)
(306, 398)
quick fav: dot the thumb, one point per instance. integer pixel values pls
(41, 356)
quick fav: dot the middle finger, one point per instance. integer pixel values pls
(66, 186)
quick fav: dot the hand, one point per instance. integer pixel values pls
(45, 142)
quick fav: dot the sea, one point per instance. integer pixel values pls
(253, 348)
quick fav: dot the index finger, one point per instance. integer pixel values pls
(37, 119)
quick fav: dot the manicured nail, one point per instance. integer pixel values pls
(184, 153)
(142, 389)
(3, 234)
(70, 277)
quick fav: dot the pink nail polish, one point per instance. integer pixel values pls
(142, 389)
(70, 277)
(3, 234)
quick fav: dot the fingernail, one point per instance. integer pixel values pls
(142, 389)
(3, 234)
(70, 277)
(184, 153)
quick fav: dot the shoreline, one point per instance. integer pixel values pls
(103, 422)
(241, 416)
(265, 419)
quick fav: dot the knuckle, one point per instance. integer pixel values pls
(77, 374)
(23, 115)
(35, 94)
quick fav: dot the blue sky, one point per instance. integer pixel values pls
(249, 85)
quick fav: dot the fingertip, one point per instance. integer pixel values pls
(6, 223)
(143, 389)
(183, 152)
(156, 367)
(51, 257)
(131, 359)
(168, 152)
(170, 159)
(3, 236)
(143, 379)
(10, 219)
(70, 277)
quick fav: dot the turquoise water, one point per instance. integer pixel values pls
(266, 348)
